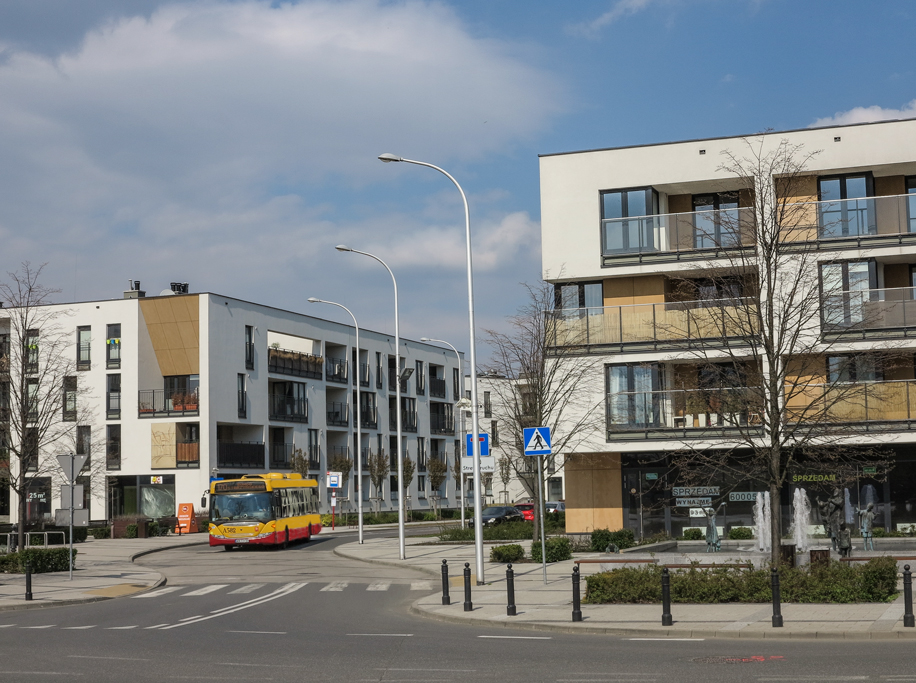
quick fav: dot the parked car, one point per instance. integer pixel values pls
(527, 509)
(555, 506)
(492, 516)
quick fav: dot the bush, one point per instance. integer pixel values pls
(740, 533)
(508, 531)
(604, 538)
(659, 537)
(429, 517)
(693, 535)
(555, 522)
(100, 531)
(130, 531)
(41, 560)
(558, 549)
(837, 582)
(506, 553)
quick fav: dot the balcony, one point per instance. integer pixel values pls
(368, 417)
(854, 223)
(240, 454)
(363, 375)
(870, 314)
(285, 362)
(281, 456)
(284, 408)
(392, 386)
(408, 421)
(436, 387)
(675, 236)
(441, 423)
(336, 370)
(187, 454)
(314, 456)
(338, 414)
(670, 324)
(335, 452)
(154, 403)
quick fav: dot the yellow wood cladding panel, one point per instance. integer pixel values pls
(174, 329)
(634, 290)
(593, 493)
(889, 186)
(162, 445)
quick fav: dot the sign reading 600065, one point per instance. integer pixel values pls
(679, 491)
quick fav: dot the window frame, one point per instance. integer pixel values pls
(83, 347)
(113, 343)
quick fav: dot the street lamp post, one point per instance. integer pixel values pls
(475, 425)
(397, 369)
(359, 421)
(457, 400)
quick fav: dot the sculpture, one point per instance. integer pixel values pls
(831, 515)
(844, 540)
(866, 525)
(713, 543)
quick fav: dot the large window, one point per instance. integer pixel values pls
(632, 395)
(845, 290)
(242, 395)
(627, 220)
(69, 399)
(113, 398)
(421, 378)
(911, 203)
(857, 368)
(83, 347)
(249, 347)
(579, 298)
(84, 441)
(715, 220)
(31, 351)
(846, 208)
(113, 346)
(113, 448)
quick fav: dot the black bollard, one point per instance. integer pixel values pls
(777, 608)
(908, 619)
(28, 581)
(510, 591)
(468, 605)
(446, 598)
(577, 604)
(666, 598)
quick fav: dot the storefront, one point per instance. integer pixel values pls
(147, 495)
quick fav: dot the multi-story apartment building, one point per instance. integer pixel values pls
(623, 229)
(180, 388)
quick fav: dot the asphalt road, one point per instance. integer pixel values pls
(306, 614)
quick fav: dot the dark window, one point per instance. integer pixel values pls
(627, 220)
(715, 220)
(846, 206)
(84, 441)
(858, 368)
(911, 203)
(421, 378)
(113, 346)
(31, 351)
(393, 487)
(579, 298)
(314, 450)
(69, 399)
(456, 382)
(32, 399)
(378, 370)
(113, 448)
(30, 449)
(113, 399)
(487, 406)
(242, 395)
(633, 399)
(83, 347)
(249, 347)
(494, 434)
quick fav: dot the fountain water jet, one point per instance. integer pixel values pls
(801, 513)
(762, 531)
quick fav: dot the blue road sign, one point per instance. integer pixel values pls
(484, 445)
(537, 441)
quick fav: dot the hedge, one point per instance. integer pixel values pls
(558, 549)
(507, 553)
(740, 533)
(42, 560)
(604, 538)
(838, 582)
(507, 531)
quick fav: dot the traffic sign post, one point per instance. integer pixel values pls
(335, 481)
(537, 444)
(72, 465)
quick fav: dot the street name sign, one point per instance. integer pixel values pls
(537, 440)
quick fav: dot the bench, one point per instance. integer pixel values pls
(743, 565)
(899, 558)
(613, 560)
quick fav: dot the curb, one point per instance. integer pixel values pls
(400, 564)
(164, 548)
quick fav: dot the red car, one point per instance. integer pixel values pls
(527, 509)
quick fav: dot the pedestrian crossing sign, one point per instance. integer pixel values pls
(537, 441)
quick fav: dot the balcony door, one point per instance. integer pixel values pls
(715, 220)
(626, 218)
(633, 398)
(845, 290)
(846, 207)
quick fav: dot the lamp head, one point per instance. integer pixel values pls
(342, 247)
(388, 158)
(425, 339)
(313, 300)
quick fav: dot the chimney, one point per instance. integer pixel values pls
(133, 290)
(179, 287)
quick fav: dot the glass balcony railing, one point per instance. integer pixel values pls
(870, 312)
(865, 218)
(671, 323)
(677, 232)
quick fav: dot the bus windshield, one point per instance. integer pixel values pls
(231, 507)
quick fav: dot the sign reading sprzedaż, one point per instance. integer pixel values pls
(694, 491)
(693, 502)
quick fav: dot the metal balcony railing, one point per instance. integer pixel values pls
(408, 421)
(441, 423)
(281, 456)
(249, 355)
(338, 414)
(337, 452)
(243, 403)
(336, 370)
(155, 403)
(285, 362)
(368, 417)
(288, 409)
(248, 454)
(83, 356)
(436, 387)
(187, 454)
(659, 325)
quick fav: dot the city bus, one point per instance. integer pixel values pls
(263, 509)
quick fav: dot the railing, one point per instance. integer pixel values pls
(697, 232)
(112, 353)
(187, 454)
(248, 454)
(83, 357)
(338, 414)
(421, 463)
(337, 452)
(285, 362)
(113, 460)
(870, 219)
(368, 417)
(670, 323)
(288, 409)
(363, 374)
(408, 421)
(314, 456)
(856, 312)
(861, 402)
(436, 387)
(155, 403)
(335, 370)
(441, 423)
(113, 405)
(281, 456)
(249, 355)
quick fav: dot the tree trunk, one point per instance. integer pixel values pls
(775, 524)
(20, 542)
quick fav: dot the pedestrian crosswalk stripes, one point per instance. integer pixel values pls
(247, 589)
(254, 588)
(159, 592)
(335, 586)
(206, 589)
(379, 586)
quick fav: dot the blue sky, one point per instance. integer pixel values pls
(232, 144)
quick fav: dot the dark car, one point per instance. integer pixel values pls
(497, 515)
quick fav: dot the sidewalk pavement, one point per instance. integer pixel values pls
(548, 607)
(104, 569)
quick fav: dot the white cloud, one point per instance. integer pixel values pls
(866, 115)
(620, 10)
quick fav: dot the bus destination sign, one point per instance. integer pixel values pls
(238, 485)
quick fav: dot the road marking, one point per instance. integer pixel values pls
(459, 671)
(7, 625)
(814, 678)
(247, 589)
(196, 616)
(120, 628)
(41, 673)
(379, 586)
(205, 590)
(335, 586)
(421, 586)
(148, 628)
(518, 637)
(157, 593)
(76, 628)
(688, 639)
(254, 600)
(272, 633)
(126, 659)
(48, 626)
(383, 635)
(279, 593)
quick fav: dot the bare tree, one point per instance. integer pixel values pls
(505, 475)
(378, 472)
(42, 404)
(410, 467)
(760, 326)
(437, 470)
(547, 383)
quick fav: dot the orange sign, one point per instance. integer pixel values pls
(187, 521)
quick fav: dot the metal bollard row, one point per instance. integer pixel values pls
(577, 603)
(666, 598)
(28, 581)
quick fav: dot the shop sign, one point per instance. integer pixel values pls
(651, 476)
(869, 470)
(155, 480)
(697, 512)
(743, 496)
(807, 478)
(695, 491)
(692, 502)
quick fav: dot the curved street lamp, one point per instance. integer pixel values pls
(359, 421)
(397, 369)
(475, 425)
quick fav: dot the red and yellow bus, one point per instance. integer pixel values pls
(265, 509)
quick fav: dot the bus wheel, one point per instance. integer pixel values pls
(227, 548)
(286, 539)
